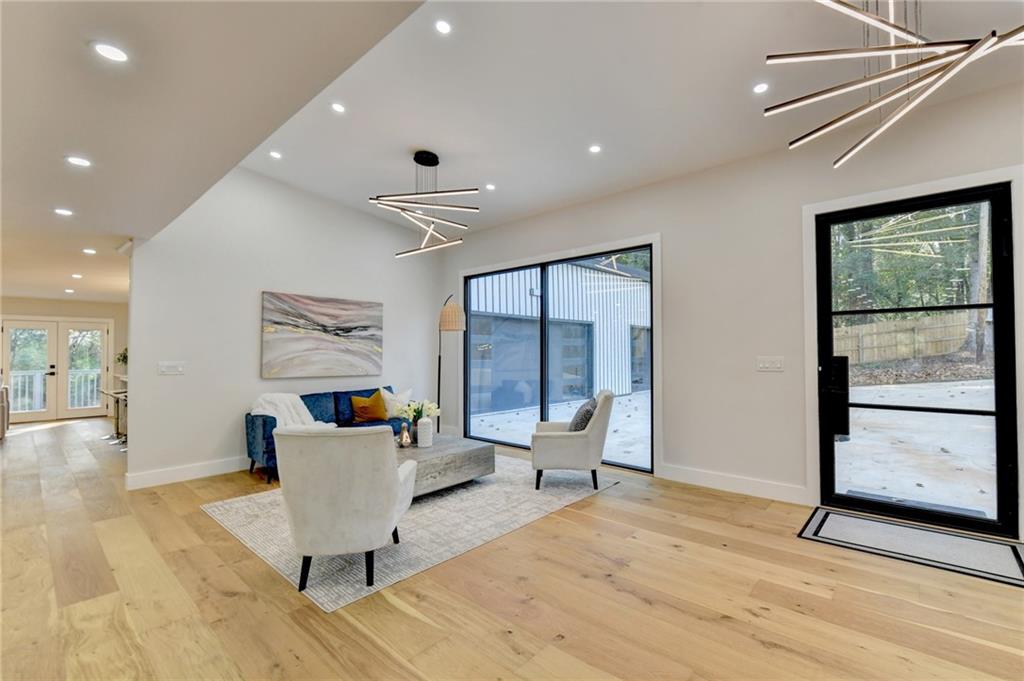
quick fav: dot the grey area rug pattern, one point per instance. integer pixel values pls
(438, 527)
(969, 555)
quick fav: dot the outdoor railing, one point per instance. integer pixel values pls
(28, 389)
(83, 388)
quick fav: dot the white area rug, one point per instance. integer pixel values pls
(998, 561)
(439, 526)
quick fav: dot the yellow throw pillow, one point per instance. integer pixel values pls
(370, 408)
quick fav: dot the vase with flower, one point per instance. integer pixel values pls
(420, 413)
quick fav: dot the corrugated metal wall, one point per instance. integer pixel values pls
(611, 302)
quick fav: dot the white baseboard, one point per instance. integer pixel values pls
(191, 471)
(755, 487)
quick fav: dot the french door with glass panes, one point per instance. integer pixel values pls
(917, 390)
(55, 369)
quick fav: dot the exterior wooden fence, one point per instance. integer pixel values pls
(885, 341)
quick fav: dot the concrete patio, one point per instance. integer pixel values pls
(934, 460)
(922, 459)
(629, 433)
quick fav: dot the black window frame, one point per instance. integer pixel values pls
(543, 267)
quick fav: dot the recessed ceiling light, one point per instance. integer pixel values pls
(338, 107)
(78, 161)
(276, 155)
(64, 212)
(443, 27)
(76, 276)
(89, 251)
(69, 290)
(110, 52)
(595, 148)
(760, 88)
(489, 187)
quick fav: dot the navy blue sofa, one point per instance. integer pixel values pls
(332, 407)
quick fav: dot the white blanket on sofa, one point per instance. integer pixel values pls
(288, 409)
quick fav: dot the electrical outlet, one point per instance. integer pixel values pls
(165, 368)
(770, 363)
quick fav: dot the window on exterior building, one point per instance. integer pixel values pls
(640, 357)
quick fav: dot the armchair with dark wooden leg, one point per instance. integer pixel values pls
(344, 491)
(555, 446)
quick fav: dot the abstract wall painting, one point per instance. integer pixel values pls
(310, 336)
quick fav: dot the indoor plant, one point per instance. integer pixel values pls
(415, 411)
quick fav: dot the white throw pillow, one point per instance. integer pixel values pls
(395, 402)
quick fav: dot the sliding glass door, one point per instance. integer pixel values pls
(543, 339)
(503, 356)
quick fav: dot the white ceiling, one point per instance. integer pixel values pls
(205, 83)
(514, 96)
(517, 92)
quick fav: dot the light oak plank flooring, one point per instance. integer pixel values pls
(646, 580)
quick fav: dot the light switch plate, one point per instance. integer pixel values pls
(166, 368)
(771, 363)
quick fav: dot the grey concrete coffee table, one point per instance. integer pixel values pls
(451, 461)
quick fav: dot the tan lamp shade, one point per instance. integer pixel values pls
(453, 317)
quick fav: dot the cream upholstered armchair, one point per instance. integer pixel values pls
(344, 491)
(554, 446)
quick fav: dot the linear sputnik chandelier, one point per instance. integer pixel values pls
(419, 207)
(937, 63)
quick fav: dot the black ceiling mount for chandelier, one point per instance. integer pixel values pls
(420, 207)
(927, 66)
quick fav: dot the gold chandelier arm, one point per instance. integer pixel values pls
(433, 218)
(917, 253)
(425, 206)
(429, 230)
(428, 195)
(867, 108)
(850, 86)
(948, 72)
(873, 20)
(1014, 37)
(862, 52)
(904, 235)
(427, 249)
(430, 233)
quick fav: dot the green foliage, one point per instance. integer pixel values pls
(85, 348)
(28, 349)
(641, 260)
(122, 357)
(917, 259)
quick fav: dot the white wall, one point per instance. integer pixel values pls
(196, 297)
(732, 280)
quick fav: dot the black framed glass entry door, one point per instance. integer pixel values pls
(916, 360)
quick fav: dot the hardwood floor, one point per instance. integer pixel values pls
(646, 580)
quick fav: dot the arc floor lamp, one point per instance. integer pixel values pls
(453, 318)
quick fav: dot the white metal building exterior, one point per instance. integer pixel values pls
(611, 311)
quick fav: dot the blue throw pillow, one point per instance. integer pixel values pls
(583, 415)
(321, 406)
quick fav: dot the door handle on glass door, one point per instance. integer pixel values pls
(838, 395)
